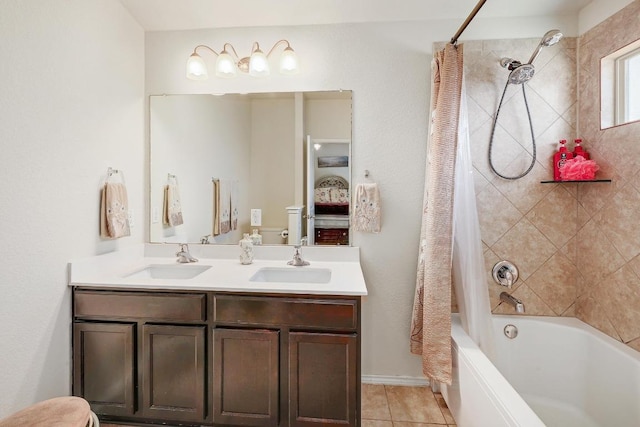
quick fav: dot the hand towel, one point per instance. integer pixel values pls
(172, 207)
(114, 212)
(222, 206)
(234, 204)
(216, 207)
(366, 210)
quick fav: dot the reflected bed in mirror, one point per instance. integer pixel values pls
(214, 159)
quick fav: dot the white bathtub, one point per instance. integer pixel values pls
(558, 372)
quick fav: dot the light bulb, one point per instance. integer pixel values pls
(196, 68)
(289, 62)
(225, 65)
(258, 64)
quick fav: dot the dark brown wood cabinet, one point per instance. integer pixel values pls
(216, 358)
(173, 372)
(103, 366)
(246, 377)
(322, 379)
(141, 356)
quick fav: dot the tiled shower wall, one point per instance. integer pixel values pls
(528, 223)
(608, 245)
(577, 246)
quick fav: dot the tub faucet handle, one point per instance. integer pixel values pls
(505, 273)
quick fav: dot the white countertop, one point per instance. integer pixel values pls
(226, 273)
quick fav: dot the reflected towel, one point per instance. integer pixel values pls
(366, 210)
(234, 204)
(114, 211)
(222, 206)
(172, 208)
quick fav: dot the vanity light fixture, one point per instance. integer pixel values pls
(228, 62)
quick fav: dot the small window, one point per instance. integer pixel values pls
(627, 68)
(620, 86)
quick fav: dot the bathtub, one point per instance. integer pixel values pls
(557, 372)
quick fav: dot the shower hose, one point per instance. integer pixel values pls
(493, 131)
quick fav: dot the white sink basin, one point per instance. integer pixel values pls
(292, 275)
(168, 271)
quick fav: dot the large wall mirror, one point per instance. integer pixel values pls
(221, 166)
(620, 86)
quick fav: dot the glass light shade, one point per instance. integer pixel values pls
(289, 62)
(226, 66)
(196, 68)
(258, 64)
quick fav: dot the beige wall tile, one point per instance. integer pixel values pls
(555, 283)
(525, 246)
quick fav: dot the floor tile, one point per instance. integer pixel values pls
(413, 404)
(445, 409)
(396, 406)
(374, 402)
(409, 424)
(376, 423)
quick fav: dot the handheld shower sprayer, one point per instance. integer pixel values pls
(519, 74)
(522, 73)
(550, 38)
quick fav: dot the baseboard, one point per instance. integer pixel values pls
(394, 380)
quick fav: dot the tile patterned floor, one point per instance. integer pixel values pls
(400, 406)
(397, 406)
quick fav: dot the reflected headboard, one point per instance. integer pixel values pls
(334, 181)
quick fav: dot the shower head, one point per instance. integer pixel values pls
(522, 74)
(550, 38)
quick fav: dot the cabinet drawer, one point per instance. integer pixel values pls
(169, 307)
(292, 312)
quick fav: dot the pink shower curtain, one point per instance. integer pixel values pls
(431, 320)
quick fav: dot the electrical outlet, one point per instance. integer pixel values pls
(155, 215)
(256, 217)
(130, 213)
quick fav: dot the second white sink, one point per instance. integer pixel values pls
(169, 271)
(292, 275)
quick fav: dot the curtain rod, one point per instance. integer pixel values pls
(467, 21)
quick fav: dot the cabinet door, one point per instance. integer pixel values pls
(246, 377)
(323, 379)
(173, 372)
(103, 366)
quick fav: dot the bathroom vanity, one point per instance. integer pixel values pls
(229, 346)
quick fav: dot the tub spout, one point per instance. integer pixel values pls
(512, 301)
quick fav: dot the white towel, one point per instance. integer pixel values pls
(366, 209)
(114, 211)
(172, 207)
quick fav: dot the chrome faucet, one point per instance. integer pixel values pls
(512, 301)
(297, 260)
(183, 254)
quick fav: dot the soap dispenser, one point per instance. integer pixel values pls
(579, 151)
(256, 238)
(246, 250)
(560, 158)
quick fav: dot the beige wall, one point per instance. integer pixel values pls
(608, 244)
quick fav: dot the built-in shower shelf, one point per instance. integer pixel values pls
(575, 181)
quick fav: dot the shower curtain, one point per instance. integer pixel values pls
(450, 252)
(431, 321)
